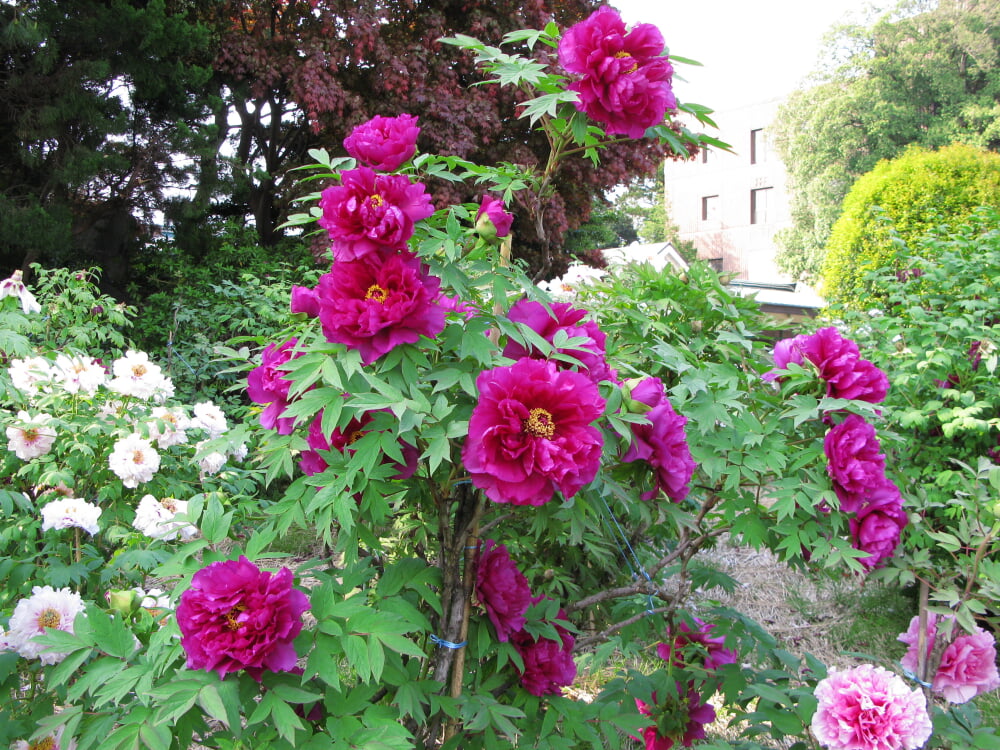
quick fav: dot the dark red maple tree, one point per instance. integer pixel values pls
(301, 74)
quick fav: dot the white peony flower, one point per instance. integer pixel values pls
(239, 452)
(70, 512)
(153, 599)
(134, 460)
(210, 463)
(136, 376)
(168, 426)
(31, 437)
(209, 417)
(14, 287)
(45, 608)
(79, 374)
(52, 741)
(155, 519)
(27, 374)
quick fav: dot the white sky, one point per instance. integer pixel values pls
(751, 50)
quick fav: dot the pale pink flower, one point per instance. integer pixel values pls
(168, 426)
(210, 418)
(136, 376)
(45, 608)
(869, 708)
(157, 518)
(54, 741)
(31, 436)
(71, 512)
(27, 374)
(79, 374)
(968, 664)
(134, 460)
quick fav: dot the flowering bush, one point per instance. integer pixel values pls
(424, 396)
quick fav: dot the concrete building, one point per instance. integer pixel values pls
(731, 204)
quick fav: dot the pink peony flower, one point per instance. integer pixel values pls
(235, 616)
(968, 664)
(384, 143)
(268, 384)
(304, 300)
(854, 461)
(502, 590)
(369, 212)
(548, 664)
(786, 351)
(712, 652)
(492, 219)
(869, 708)
(311, 462)
(876, 527)
(682, 720)
(662, 443)
(377, 304)
(625, 76)
(570, 320)
(531, 433)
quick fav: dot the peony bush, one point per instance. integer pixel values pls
(508, 493)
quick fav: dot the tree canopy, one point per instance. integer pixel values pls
(192, 114)
(927, 73)
(895, 204)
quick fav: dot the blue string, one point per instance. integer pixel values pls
(916, 679)
(446, 644)
(632, 553)
(177, 354)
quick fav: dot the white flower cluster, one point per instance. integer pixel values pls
(157, 519)
(565, 287)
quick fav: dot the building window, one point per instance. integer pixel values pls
(758, 146)
(709, 208)
(758, 205)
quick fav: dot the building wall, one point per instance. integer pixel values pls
(730, 205)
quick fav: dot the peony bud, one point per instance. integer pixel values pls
(492, 221)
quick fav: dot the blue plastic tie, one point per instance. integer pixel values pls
(446, 644)
(916, 679)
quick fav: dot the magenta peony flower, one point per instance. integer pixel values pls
(840, 365)
(378, 303)
(854, 461)
(548, 664)
(712, 652)
(369, 212)
(236, 616)
(968, 664)
(677, 719)
(384, 143)
(564, 317)
(304, 300)
(869, 708)
(662, 443)
(786, 351)
(311, 462)
(625, 76)
(878, 523)
(502, 590)
(531, 433)
(268, 384)
(492, 219)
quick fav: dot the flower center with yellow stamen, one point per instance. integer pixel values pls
(169, 504)
(539, 424)
(138, 457)
(622, 55)
(30, 434)
(49, 743)
(138, 370)
(354, 437)
(231, 616)
(376, 200)
(376, 293)
(49, 618)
